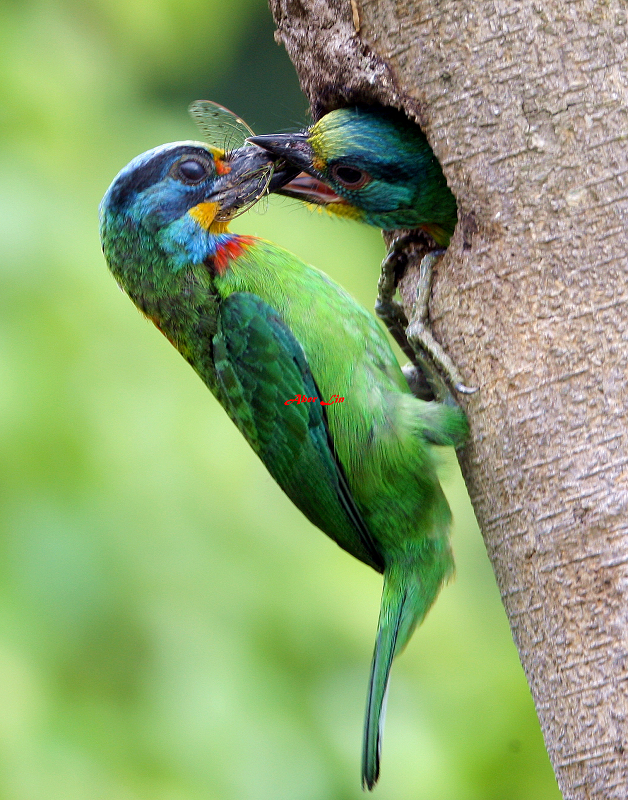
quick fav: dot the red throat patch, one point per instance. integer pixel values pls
(228, 251)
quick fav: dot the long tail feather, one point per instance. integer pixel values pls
(410, 588)
(383, 655)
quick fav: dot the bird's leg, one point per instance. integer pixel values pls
(387, 309)
(416, 340)
(394, 317)
(420, 336)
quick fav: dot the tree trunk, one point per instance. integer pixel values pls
(526, 106)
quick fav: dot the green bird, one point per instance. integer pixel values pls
(375, 166)
(279, 343)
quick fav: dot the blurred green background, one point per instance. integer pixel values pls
(171, 628)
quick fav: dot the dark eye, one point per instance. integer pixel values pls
(351, 177)
(191, 171)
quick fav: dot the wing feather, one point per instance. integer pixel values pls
(260, 365)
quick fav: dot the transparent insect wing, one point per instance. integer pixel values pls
(222, 129)
(219, 126)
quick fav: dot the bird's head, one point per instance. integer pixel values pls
(181, 195)
(373, 165)
(172, 180)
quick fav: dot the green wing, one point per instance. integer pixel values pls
(260, 365)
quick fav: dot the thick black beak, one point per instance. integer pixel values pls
(293, 147)
(247, 175)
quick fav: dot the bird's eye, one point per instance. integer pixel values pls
(350, 177)
(191, 171)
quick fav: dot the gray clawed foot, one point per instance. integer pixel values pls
(416, 339)
(420, 339)
(391, 312)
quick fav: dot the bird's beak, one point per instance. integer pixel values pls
(295, 149)
(310, 190)
(246, 174)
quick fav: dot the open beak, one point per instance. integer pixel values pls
(248, 174)
(295, 149)
(310, 190)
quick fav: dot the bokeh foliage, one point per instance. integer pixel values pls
(171, 628)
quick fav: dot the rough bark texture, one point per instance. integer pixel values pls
(526, 106)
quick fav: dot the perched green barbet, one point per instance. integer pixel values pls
(261, 328)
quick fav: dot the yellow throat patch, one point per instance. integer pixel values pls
(205, 215)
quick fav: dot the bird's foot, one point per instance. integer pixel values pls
(421, 338)
(396, 259)
(416, 340)
(392, 314)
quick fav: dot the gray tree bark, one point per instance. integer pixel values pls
(526, 106)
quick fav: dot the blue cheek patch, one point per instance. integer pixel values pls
(186, 242)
